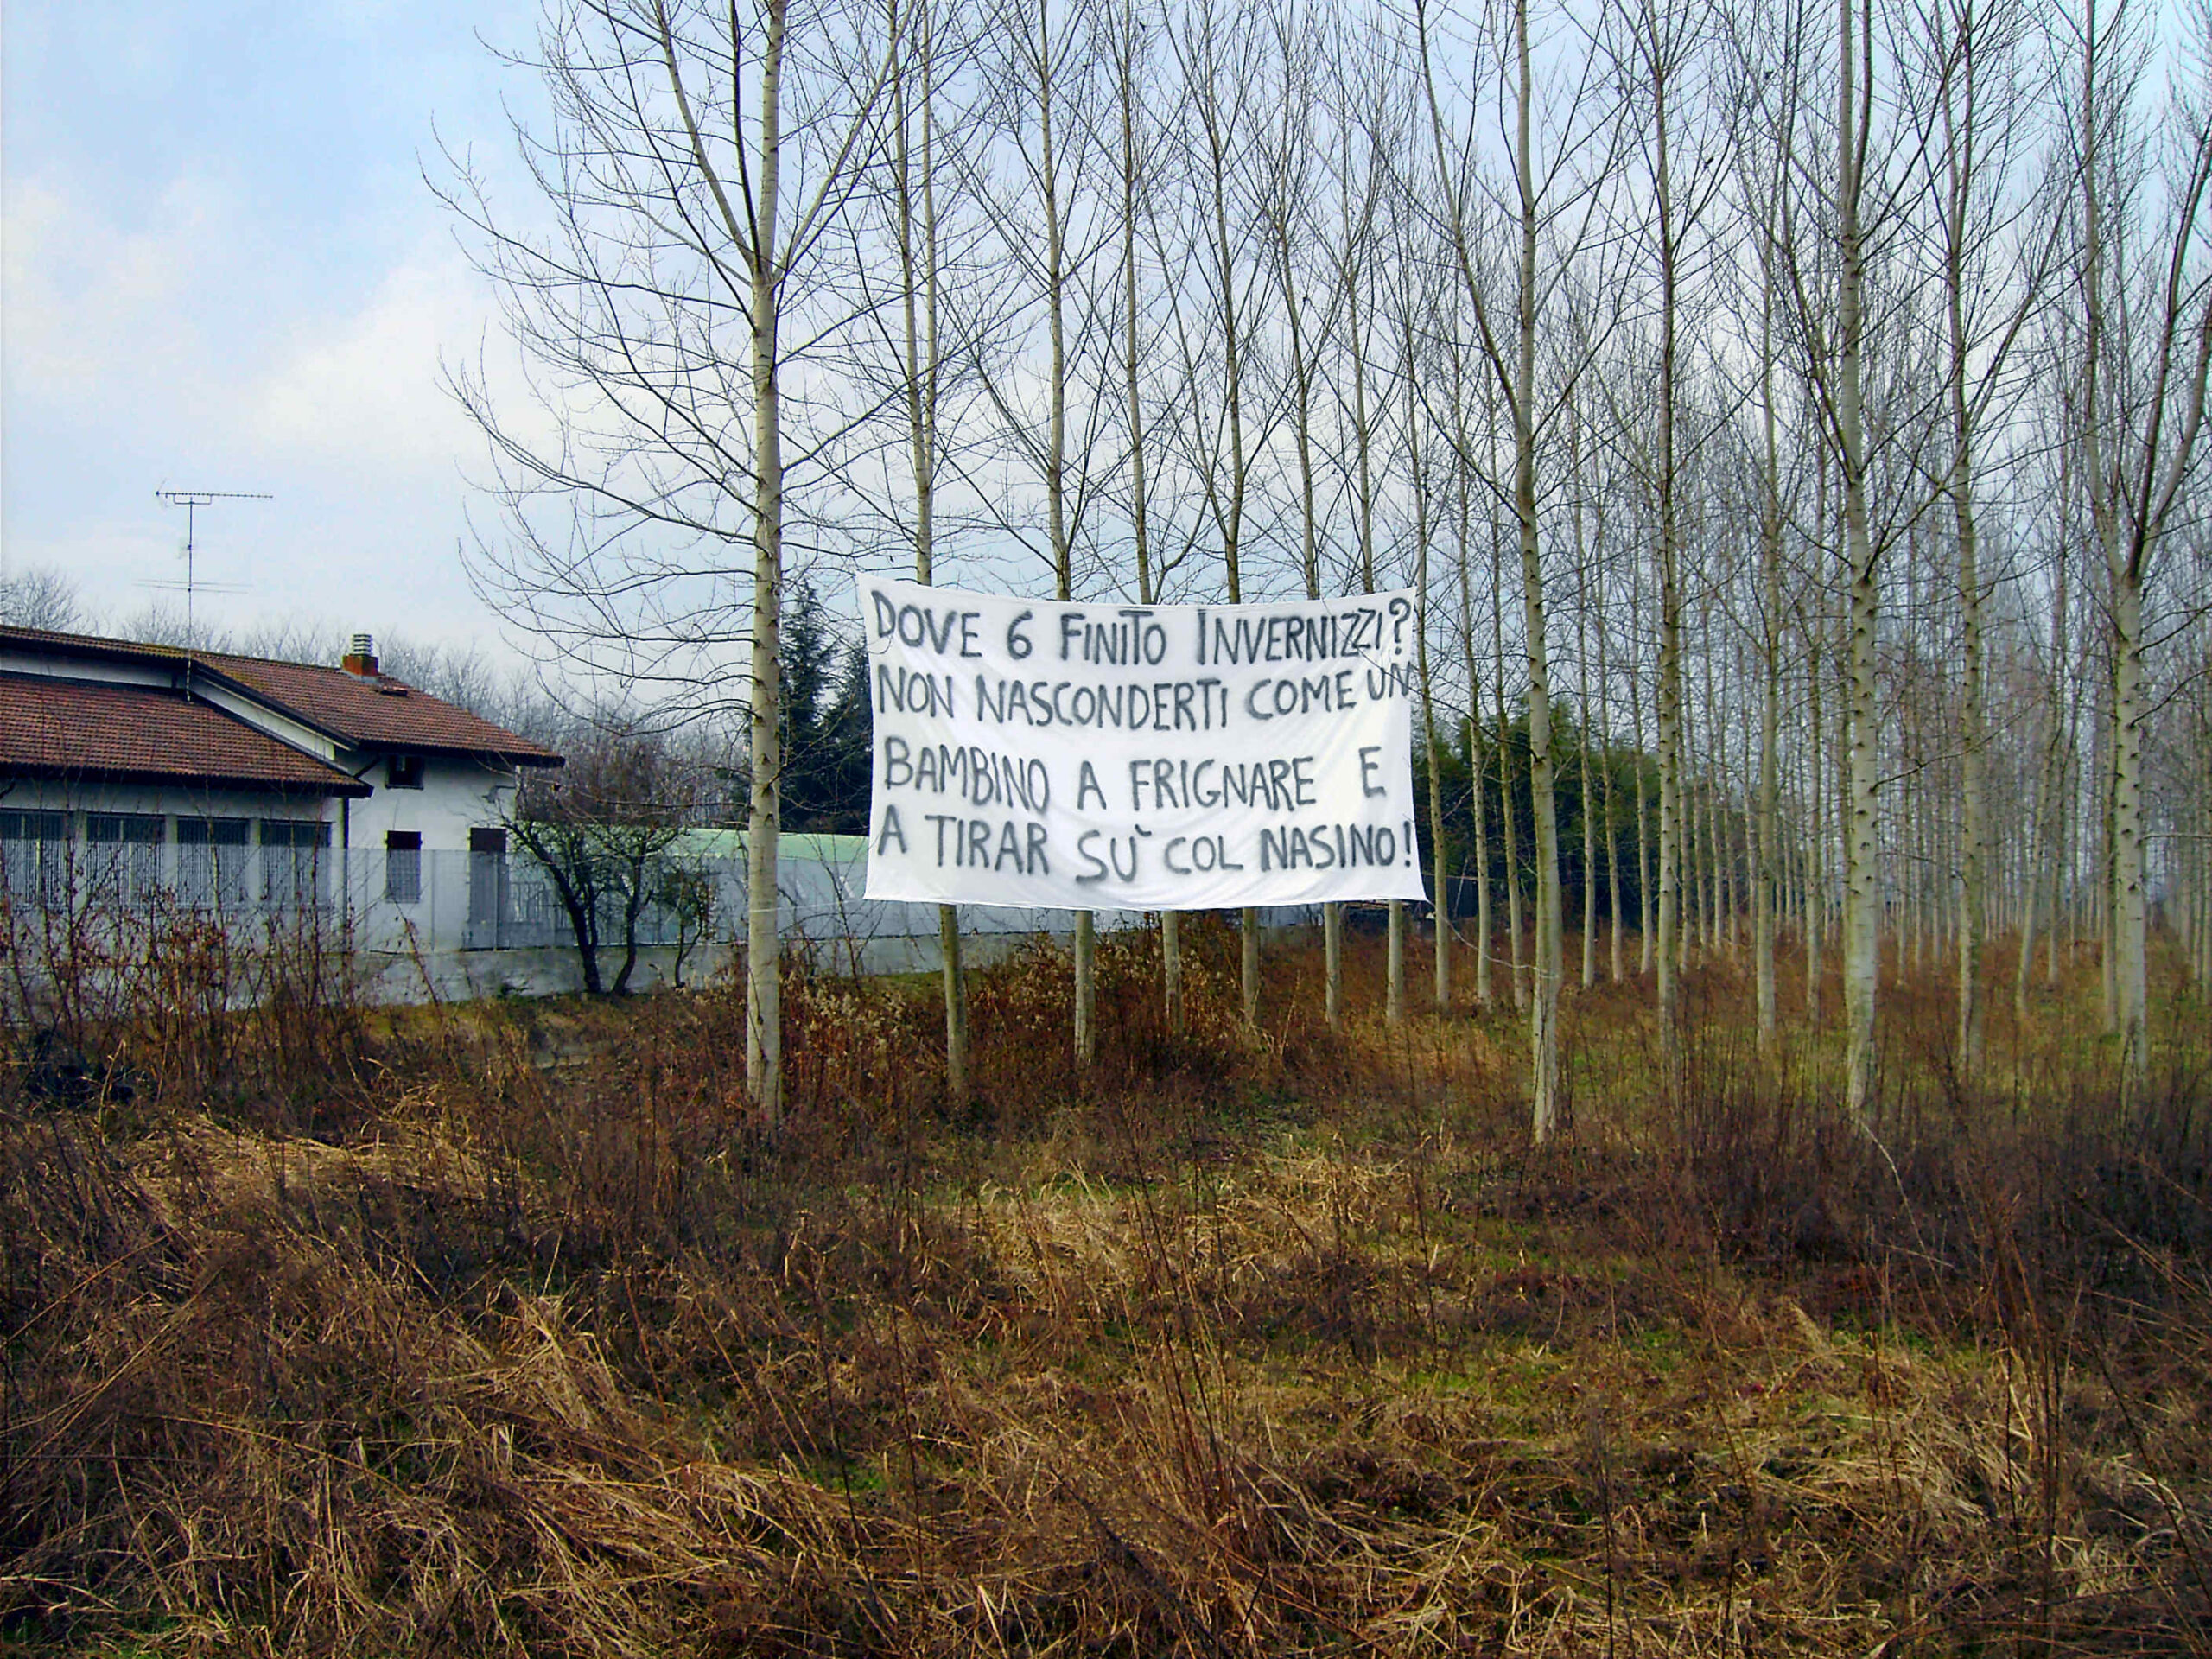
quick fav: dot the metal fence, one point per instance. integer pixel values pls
(443, 917)
(448, 900)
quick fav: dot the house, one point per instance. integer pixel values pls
(155, 781)
(133, 773)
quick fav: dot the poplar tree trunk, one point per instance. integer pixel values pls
(1582, 690)
(1518, 385)
(1509, 836)
(1547, 1109)
(1230, 517)
(1764, 920)
(1606, 777)
(1171, 923)
(1646, 897)
(1086, 937)
(2045, 832)
(2130, 922)
(1669, 897)
(1416, 456)
(921, 366)
(1478, 767)
(2130, 507)
(1332, 916)
(1972, 919)
(1863, 899)
(1765, 909)
(1440, 907)
(763, 1024)
(1972, 763)
(1816, 861)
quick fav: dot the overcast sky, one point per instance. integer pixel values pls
(223, 271)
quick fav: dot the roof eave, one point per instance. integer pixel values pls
(455, 752)
(337, 786)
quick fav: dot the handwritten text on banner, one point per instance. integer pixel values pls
(1166, 757)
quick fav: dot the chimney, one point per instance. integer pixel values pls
(360, 657)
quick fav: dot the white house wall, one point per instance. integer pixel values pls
(458, 794)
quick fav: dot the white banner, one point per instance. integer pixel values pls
(1119, 757)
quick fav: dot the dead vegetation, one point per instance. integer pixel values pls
(515, 1338)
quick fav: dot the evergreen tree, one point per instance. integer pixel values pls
(826, 731)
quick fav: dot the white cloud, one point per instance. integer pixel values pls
(94, 306)
(365, 390)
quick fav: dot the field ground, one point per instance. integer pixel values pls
(500, 1329)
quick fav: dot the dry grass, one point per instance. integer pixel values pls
(522, 1341)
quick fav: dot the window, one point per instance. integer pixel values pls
(125, 855)
(291, 861)
(212, 863)
(34, 856)
(403, 772)
(402, 866)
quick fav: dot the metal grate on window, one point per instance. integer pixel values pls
(125, 856)
(291, 861)
(402, 866)
(35, 854)
(213, 862)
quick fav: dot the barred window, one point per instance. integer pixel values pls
(212, 863)
(291, 861)
(125, 856)
(402, 866)
(35, 855)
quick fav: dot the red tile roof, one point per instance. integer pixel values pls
(382, 713)
(94, 730)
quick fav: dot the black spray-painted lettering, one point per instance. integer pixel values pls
(1132, 639)
(925, 627)
(1284, 783)
(900, 691)
(1274, 699)
(1112, 863)
(1200, 705)
(999, 845)
(1329, 847)
(978, 776)
(891, 827)
(1086, 787)
(1330, 637)
(1388, 680)
(1197, 855)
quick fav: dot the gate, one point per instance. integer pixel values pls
(487, 889)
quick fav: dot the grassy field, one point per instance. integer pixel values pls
(500, 1329)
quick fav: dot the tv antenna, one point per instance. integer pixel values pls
(191, 501)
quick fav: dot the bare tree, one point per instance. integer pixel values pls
(1985, 307)
(2145, 296)
(600, 828)
(1045, 92)
(914, 177)
(1531, 214)
(41, 598)
(696, 163)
